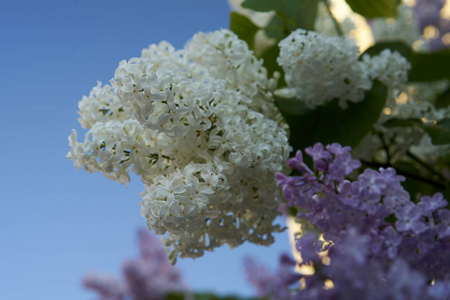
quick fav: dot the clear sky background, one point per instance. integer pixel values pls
(56, 222)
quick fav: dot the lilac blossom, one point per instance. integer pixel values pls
(377, 243)
(276, 283)
(428, 13)
(148, 277)
(106, 286)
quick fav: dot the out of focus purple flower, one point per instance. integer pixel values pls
(391, 242)
(258, 276)
(310, 246)
(146, 281)
(275, 285)
(148, 277)
(106, 286)
(428, 13)
(404, 283)
(439, 290)
(444, 226)
(355, 246)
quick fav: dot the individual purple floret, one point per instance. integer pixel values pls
(148, 277)
(320, 156)
(379, 244)
(410, 219)
(429, 204)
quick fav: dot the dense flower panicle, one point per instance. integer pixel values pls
(276, 283)
(389, 67)
(366, 255)
(149, 277)
(200, 127)
(320, 68)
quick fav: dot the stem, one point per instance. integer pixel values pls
(424, 164)
(385, 146)
(407, 174)
(335, 22)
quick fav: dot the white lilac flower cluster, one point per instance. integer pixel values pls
(389, 67)
(319, 69)
(200, 128)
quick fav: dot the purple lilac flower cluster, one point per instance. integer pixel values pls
(376, 243)
(149, 277)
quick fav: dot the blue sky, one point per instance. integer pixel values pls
(58, 223)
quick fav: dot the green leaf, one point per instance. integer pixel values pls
(329, 123)
(175, 296)
(443, 100)
(263, 5)
(415, 187)
(400, 47)
(276, 29)
(295, 13)
(402, 123)
(270, 62)
(374, 8)
(293, 211)
(244, 28)
(439, 133)
(301, 13)
(430, 66)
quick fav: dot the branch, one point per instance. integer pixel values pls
(335, 22)
(425, 165)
